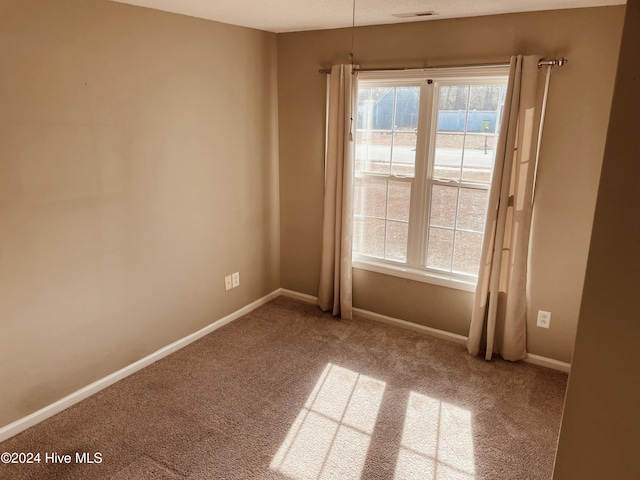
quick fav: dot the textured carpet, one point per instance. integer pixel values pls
(289, 392)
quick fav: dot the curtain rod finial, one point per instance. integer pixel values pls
(556, 62)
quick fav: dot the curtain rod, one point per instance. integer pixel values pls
(556, 62)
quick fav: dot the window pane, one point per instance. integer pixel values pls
(373, 151)
(492, 142)
(405, 128)
(399, 200)
(404, 153)
(466, 258)
(375, 108)
(452, 115)
(484, 103)
(479, 153)
(357, 235)
(448, 156)
(373, 237)
(407, 105)
(452, 105)
(443, 206)
(483, 119)
(472, 207)
(467, 125)
(358, 203)
(440, 248)
(397, 241)
(374, 129)
(374, 197)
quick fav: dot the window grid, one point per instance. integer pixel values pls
(385, 218)
(367, 173)
(424, 182)
(433, 180)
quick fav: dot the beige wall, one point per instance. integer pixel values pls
(600, 434)
(138, 167)
(572, 149)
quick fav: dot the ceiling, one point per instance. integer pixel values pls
(296, 15)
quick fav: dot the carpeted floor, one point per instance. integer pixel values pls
(288, 392)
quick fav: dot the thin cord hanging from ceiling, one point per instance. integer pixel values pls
(353, 32)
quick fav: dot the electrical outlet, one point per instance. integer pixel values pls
(236, 279)
(227, 283)
(544, 319)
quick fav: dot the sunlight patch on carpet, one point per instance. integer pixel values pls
(437, 441)
(330, 437)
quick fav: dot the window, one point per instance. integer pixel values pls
(425, 149)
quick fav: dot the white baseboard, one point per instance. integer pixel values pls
(298, 296)
(434, 332)
(548, 362)
(23, 423)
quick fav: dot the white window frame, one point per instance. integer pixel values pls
(428, 81)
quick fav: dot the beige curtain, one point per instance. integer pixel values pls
(335, 292)
(498, 323)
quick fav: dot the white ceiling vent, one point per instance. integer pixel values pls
(413, 15)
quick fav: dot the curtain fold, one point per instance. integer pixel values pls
(498, 322)
(335, 290)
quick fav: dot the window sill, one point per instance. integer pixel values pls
(416, 275)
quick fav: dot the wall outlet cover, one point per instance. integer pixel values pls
(544, 319)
